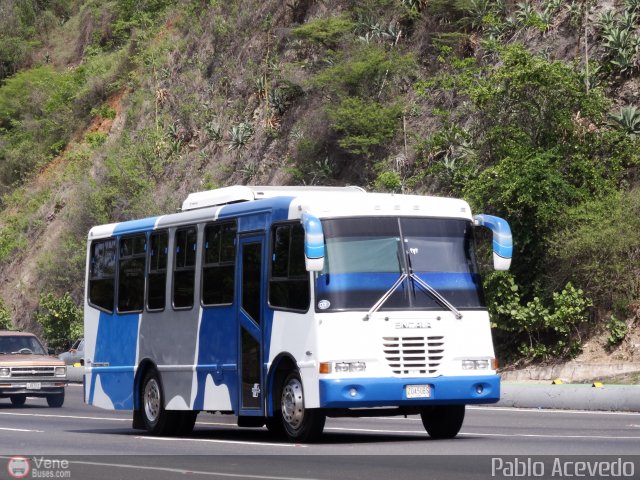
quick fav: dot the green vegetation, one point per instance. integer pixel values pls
(492, 101)
(5, 317)
(60, 319)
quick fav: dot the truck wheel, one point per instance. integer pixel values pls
(55, 401)
(17, 400)
(442, 421)
(298, 423)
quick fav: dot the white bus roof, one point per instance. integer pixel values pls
(245, 193)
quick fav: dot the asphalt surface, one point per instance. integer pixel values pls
(101, 444)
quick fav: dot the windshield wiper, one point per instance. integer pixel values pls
(385, 297)
(434, 293)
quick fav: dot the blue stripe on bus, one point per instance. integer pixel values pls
(135, 226)
(120, 330)
(370, 281)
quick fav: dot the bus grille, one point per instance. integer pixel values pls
(32, 372)
(413, 355)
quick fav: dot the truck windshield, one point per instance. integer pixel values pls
(366, 256)
(20, 344)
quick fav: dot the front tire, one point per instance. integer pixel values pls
(17, 400)
(56, 401)
(442, 421)
(298, 423)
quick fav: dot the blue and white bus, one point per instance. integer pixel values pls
(285, 305)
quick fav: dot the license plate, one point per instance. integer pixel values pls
(34, 386)
(418, 391)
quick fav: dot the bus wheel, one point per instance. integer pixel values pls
(442, 421)
(157, 421)
(299, 424)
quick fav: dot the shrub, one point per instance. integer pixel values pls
(599, 248)
(618, 330)
(536, 329)
(60, 318)
(365, 71)
(5, 317)
(364, 124)
(325, 31)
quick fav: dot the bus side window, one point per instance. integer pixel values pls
(133, 255)
(289, 279)
(158, 253)
(184, 272)
(102, 274)
(218, 271)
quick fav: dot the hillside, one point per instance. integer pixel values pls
(118, 109)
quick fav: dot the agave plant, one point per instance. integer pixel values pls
(240, 135)
(628, 118)
(606, 21)
(525, 12)
(628, 19)
(476, 11)
(632, 5)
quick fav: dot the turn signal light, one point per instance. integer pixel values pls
(325, 367)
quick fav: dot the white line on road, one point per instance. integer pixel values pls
(473, 434)
(553, 410)
(184, 471)
(79, 417)
(538, 435)
(21, 430)
(211, 440)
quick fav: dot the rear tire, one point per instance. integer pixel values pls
(298, 423)
(157, 420)
(442, 421)
(17, 400)
(55, 401)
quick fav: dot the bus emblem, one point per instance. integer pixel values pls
(412, 325)
(324, 304)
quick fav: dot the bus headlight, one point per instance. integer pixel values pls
(5, 372)
(470, 364)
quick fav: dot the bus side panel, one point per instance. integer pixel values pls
(296, 333)
(114, 361)
(217, 369)
(169, 340)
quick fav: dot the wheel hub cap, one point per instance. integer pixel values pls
(293, 404)
(152, 400)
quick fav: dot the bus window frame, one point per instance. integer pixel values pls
(272, 229)
(144, 276)
(159, 232)
(203, 265)
(115, 275)
(174, 266)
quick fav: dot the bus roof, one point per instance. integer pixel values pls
(291, 203)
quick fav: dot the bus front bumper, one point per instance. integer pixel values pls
(386, 392)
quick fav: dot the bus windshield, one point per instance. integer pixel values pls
(366, 256)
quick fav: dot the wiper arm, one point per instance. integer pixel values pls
(385, 297)
(434, 293)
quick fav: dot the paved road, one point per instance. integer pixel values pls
(101, 444)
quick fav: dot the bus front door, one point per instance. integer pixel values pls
(251, 294)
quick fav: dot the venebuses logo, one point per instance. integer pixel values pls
(18, 467)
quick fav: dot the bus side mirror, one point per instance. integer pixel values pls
(313, 243)
(502, 240)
